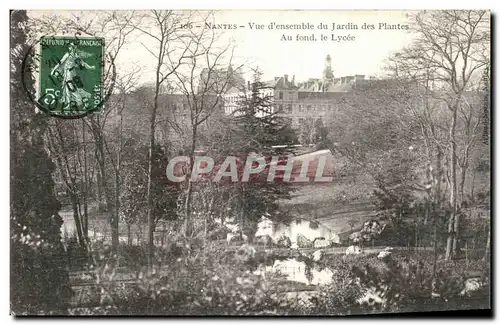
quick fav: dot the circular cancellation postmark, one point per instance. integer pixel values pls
(69, 75)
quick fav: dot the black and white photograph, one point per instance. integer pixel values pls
(250, 162)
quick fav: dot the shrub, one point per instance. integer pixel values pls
(402, 283)
(38, 275)
(196, 282)
(211, 281)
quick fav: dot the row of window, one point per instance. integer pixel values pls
(311, 108)
(302, 108)
(280, 95)
(287, 109)
(237, 98)
(233, 99)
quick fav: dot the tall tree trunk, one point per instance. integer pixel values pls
(152, 127)
(99, 191)
(149, 196)
(461, 187)
(435, 247)
(78, 223)
(109, 201)
(113, 220)
(187, 208)
(85, 221)
(188, 226)
(487, 249)
(439, 167)
(63, 165)
(102, 189)
(129, 238)
(116, 220)
(473, 181)
(451, 249)
(456, 224)
(416, 235)
(140, 237)
(115, 235)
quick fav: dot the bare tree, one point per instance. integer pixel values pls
(116, 27)
(450, 49)
(124, 85)
(207, 76)
(63, 145)
(170, 49)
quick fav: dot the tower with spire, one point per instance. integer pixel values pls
(327, 73)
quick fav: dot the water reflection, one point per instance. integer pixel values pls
(299, 271)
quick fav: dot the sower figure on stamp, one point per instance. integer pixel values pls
(73, 93)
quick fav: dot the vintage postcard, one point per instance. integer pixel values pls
(250, 162)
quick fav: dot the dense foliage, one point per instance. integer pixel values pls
(190, 280)
(39, 279)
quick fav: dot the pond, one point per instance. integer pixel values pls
(298, 271)
(308, 229)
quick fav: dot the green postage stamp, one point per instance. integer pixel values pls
(71, 75)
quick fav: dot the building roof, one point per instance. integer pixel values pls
(333, 85)
(233, 91)
(281, 83)
(306, 95)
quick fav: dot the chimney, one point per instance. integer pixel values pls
(248, 84)
(286, 78)
(293, 80)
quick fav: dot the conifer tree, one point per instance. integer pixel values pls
(39, 279)
(262, 130)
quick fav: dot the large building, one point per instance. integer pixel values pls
(307, 103)
(313, 98)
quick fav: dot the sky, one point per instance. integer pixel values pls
(305, 59)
